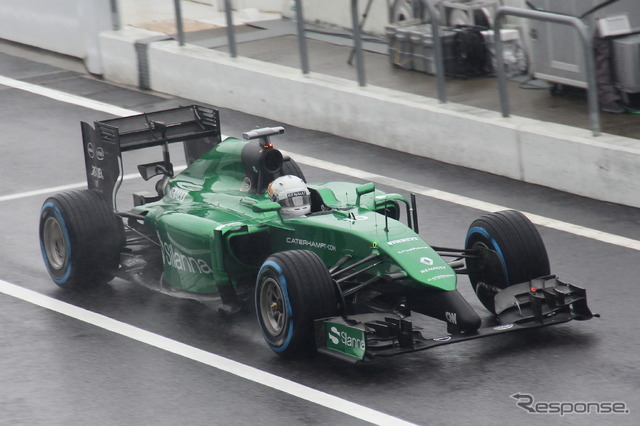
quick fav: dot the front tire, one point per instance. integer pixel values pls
(518, 254)
(293, 289)
(80, 238)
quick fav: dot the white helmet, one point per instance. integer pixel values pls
(292, 194)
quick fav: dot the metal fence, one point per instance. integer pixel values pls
(501, 14)
(581, 28)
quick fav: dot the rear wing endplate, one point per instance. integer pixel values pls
(197, 126)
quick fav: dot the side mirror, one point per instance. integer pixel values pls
(266, 206)
(364, 189)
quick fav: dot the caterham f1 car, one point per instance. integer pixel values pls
(333, 267)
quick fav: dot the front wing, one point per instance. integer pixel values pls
(541, 302)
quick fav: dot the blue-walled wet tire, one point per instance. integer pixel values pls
(293, 289)
(519, 254)
(80, 238)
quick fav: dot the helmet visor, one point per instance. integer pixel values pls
(296, 199)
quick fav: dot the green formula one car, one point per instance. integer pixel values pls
(333, 267)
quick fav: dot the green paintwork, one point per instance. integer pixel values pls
(210, 219)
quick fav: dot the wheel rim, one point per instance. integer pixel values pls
(55, 245)
(484, 291)
(483, 278)
(272, 307)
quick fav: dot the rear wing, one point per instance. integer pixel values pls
(197, 126)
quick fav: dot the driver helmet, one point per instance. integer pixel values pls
(292, 194)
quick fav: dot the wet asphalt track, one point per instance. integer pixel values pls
(57, 370)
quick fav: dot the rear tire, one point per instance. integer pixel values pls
(520, 254)
(293, 289)
(80, 238)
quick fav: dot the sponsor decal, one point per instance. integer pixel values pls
(313, 244)
(96, 172)
(374, 245)
(172, 257)
(503, 327)
(188, 186)
(433, 268)
(344, 339)
(90, 151)
(442, 339)
(296, 194)
(178, 194)
(426, 261)
(413, 249)
(441, 277)
(402, 240)
(246, 185)
(100, 153)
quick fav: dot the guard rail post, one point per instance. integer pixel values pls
(231, 36)
(357, 42)
(302, 41)
(115, 16)
(437, 48)
(179, 26)
(581, 28)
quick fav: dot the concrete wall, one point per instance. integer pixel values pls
(566, 158)
(70, 27)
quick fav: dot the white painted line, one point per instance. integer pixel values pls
(69, 187)
(337, 168)
(66, 97)
(233, 367)
(45, 191)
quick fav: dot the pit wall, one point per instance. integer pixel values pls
(569, 159)
(70, 27)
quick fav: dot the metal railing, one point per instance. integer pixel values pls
(502, 12)
(179, 27)
(302, 43)
(115, 15)
(438, 54)
(231, 35)
(581, 28)
(302, 40)
(357, 42)
(357, 46)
